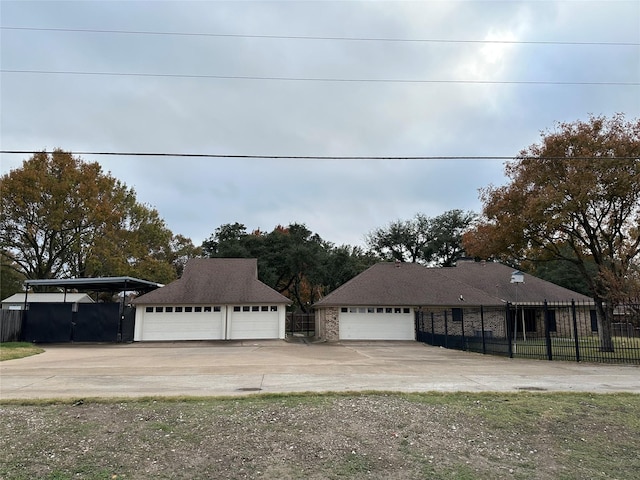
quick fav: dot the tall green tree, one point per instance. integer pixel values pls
(292, 260)
(422, 239)
(10, 279)
(62, 217)
(575, 197)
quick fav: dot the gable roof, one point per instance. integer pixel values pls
(215, 280)
(470, 283)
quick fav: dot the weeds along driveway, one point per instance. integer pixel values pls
(273, 366)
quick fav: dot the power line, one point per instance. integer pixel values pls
(333, 38)
(312, 79)
(304, 157)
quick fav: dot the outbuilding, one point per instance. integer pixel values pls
(18, 301)
(215, 299)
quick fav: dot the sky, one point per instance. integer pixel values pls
(314, 79)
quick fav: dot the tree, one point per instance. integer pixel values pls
(436, 241)
(10, 279)
(402, 240)
(63, 217)
(575, 196)
(445, 247)
(292, 260)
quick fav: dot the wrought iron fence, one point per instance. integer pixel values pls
(303, 324)
(552, 331)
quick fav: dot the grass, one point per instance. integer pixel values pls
(13, 350)
(626, 350)
(325, 436)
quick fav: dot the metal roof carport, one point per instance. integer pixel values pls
(101, 322)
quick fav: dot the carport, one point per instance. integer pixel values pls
(69, 322)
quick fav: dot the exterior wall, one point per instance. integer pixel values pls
(492, 318)
(441, 320)
(327, 324)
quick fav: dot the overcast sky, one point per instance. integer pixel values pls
(235, 78)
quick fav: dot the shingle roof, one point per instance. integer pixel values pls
(405, 284)
(495, 278)
(470, 283)
(216, 280)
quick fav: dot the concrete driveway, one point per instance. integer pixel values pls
(240, 368)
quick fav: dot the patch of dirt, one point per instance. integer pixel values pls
(322, 437)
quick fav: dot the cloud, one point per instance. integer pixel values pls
(340, 200)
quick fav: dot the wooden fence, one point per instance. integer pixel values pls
(10, 325)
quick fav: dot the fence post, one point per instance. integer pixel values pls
(433, 331)
(484, 347)
(574, 317)
(464, 343)
(446, 331)
(508, 329)
(547, 333)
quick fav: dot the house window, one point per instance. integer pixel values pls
(216, 309)
(168, 309)
(397, 310)
(353, 310)
(362, 310)
(159, 309)
(207, 309)
(197, 309)
(456, 314)
(148, 309)
(264, 308)
(255, 308)
(344, 309)
(188, 309)
(274, 308)
(246, 308)
(370, 310)
(406, 310)
(178, 309)
(551, 315)
(379, 310)
(388, 310)
(236, 308)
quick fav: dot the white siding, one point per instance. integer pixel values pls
(368, 324)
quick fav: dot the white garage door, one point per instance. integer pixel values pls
(184, 324)
(253, 322)
(375, 323)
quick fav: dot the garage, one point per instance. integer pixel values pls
(376, 323)
(180, 322)
(215, 299)
(253, 322)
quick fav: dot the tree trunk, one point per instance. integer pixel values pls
(605, 319)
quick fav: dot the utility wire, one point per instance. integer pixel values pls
(305, 37)
(305, 157)
(310, 79)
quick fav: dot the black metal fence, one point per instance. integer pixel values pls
(67, 322)
(552, 331)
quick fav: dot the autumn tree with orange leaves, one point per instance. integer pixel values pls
(575, 197)
(63, 217)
